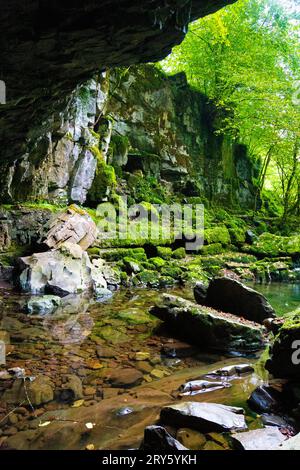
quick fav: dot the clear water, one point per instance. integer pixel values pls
(283, 297)
(68, 342)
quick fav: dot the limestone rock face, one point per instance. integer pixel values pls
(54, 46)
(74, 226)
(60, 272)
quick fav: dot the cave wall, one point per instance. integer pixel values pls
(149, 124)
(48, 48)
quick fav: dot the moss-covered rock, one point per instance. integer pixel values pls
(269, 244)
(164, 252)
(212, 249)
(157, 262)
(217, 235)
(118, 254)
(284, 359)
(104, 180)
(179, 253)
(148, 278)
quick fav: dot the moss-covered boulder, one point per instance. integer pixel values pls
(218, 234)
(208, 328)
(284, 359)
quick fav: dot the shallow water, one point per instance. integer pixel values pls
(99, 342)
(283, 297)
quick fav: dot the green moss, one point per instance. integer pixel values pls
(117, 254)
(104, 180)
(149, 278)
(276, 245)
(179, 253)
(213, 249)
(157, 262)
(175, 272)
(217, 235)
(164, 252)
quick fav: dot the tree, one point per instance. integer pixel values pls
(246, 58)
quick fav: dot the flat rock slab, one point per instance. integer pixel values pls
(208, 328)
(260, 439)
(204, 417)
(229, 295)
(291, 444)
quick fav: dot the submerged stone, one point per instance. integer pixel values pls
(43, 305)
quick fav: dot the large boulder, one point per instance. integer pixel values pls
(66, 270)
(208, 328)
(229, 295)
(205, 417)
(72, 226)
(284, 359)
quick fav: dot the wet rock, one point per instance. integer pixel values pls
(277, 421)
(39, 391)
(250, 237)
(200, 386)
(204, 417)
(126, 410)
(73, 226)
(200, 293)
(71, 389)
(229, 295)
(190, 438)
(158, 439)
(284, 359)
(231, 371)
(208, 328)
(291, 444)
(273, 324)
(264, 399)
(105, 352)
(125, 378)
(61, 272)
(43, 305)
(260, 439)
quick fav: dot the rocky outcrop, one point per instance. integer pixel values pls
(72, 226)
(50, 48)
(156, 437)
(208, 328)
(229, 295)
(144, 122)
